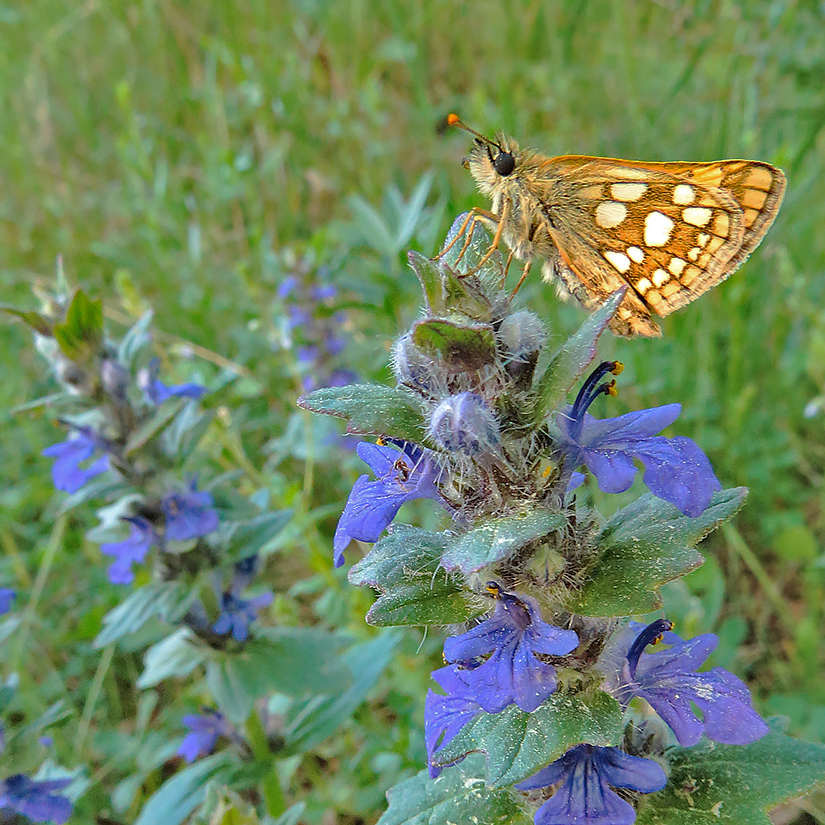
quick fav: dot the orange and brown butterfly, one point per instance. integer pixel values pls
(670, 231)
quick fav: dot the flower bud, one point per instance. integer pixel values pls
(411, 365)
(520, 338)
(115, 379)
(73, 377)
(464, 423)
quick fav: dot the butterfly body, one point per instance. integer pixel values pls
(670, 231)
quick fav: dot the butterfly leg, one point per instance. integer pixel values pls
(506, 269)
(474, 216)
(502, 219)
(522, 279)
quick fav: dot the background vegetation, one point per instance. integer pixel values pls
(183, 156)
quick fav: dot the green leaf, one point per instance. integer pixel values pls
(162, 417)
(429, 275)
(643, 546)
(162, 599)
(181, 794)
(246, 538)
(518, 744)
(186, 430)
(405, 566)
(460, 348)
(176, 655)
(573, 357)
(455, 797)
(81, 335)
(370, 409)
(39, 323)
(498, 538)
(288, 660)
(137, 338)
(712, 783)
(314, 721)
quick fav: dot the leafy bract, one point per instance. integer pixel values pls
(459, 347)
(370, 409)
(712, 783)
(405, 566)
(456, 796)
(496, 539)
(80, 335)
(573, 357)
(518, 744)
(643, 546)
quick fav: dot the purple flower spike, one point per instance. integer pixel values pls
(676, 469)
(586, 774)
(67, 473)
(512, 637)
(668, 681)
(445, 716)
(34, 799)
(130, 551)
(204, 732)
(401, 476)
(237, 614)
(7, 597)
(189, 515)
(156, 392)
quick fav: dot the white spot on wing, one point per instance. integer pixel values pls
(635, 254)
(660, 277)
(676, 266)
(610, 214)
(628, 191)
(697, 215)
(683, 194)
(657, 229)
(618, 260)
(643, 285)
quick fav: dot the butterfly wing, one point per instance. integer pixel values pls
(670, 231)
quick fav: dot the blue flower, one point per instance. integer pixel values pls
(668, 681)
(372, 505)
(67, 473)
(131, 550)
(586, 774)
(189, 515)
(512, 637)
(7, 597)
(237, 614)
(204, 732)
(35, 799)
(676, 469)
(445, 716)
(156, 392)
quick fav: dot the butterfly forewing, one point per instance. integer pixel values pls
(671, 230)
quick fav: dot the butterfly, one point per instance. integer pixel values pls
(670, 231)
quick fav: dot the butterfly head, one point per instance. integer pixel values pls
(491, 162)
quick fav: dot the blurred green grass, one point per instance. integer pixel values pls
(171, 152)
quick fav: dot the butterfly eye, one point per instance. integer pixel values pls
(504, 163)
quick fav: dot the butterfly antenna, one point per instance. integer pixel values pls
(455, 120)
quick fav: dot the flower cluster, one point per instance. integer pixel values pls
(502, 453)
(131, 433)
(312, 327)
(495, 664)
(38, 800)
